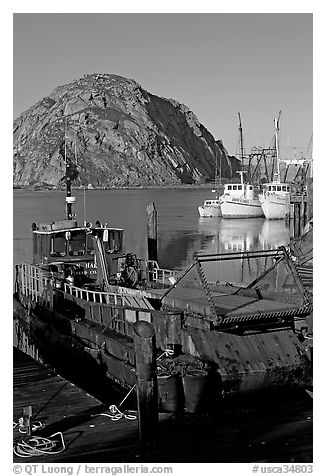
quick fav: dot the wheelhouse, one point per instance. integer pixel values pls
(239, 190)
(210, 203)
(277, 188)
(73, 243)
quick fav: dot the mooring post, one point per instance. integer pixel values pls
(147, 393)
(174, 325)
(302, 214)
(151, 232)
(27, 416)
(309, 199)
(296, 219)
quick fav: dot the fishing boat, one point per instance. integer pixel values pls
(239, 199)
(80, 297)
(212, 207)
(275, 196)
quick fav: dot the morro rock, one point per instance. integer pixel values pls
(115, 134)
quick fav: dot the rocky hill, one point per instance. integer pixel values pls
(117, 134)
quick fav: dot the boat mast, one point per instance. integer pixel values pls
(277, 144)
(242, 155)
(241, 141)
(69, 200)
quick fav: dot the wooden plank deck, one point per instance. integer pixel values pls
(276, 429)
(66, 408)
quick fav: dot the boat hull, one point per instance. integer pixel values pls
(232, 207)
(275, 207)
(210, 211)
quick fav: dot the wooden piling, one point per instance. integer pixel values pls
(302, 214)
(151, 232)
(296, 219)
(27, 416)
(147, 393)
(309, 200)
(174, 331)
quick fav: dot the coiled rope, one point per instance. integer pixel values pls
(37, 445)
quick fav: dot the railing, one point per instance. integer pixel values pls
(35, 284)
(160, 275)
(110, 309)
(117, 297)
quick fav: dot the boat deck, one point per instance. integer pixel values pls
(275, 429)
(227, 305)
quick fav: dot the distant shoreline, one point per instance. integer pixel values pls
(135, 187)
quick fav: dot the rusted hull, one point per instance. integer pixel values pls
(249, 362)
(239, 362)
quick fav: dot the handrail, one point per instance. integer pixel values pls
(160, 275)
(106, 297)
(35, 285)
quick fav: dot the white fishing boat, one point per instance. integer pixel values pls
(212, 207)
(275, 197)
(275, 200)
(238, 199)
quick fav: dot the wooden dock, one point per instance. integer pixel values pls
(255, 429)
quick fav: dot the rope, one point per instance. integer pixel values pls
(167, 353)
(117, 414)
(37, 446)
(36, 425)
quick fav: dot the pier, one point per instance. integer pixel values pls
(276, 427)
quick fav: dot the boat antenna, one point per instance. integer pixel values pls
(69, 198)
(308, 148)
(277, 143)
(241, 141)
(84, 204)
(215, 181)
(220, 172)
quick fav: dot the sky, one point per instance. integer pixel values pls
(218, 64)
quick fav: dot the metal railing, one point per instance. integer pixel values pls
(35, 284)
(161, 275)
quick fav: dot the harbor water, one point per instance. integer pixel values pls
(181, 231)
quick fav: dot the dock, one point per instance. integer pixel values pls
(275, 427)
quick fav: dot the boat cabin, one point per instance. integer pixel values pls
(238, 190)
(278, 188)
(211, 203)
(65, 247)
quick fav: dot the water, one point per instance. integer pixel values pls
(181, 231)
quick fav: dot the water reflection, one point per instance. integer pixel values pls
(274, 233)
(243, 234)
(227, 235)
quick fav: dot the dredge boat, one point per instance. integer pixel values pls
(80, 297)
